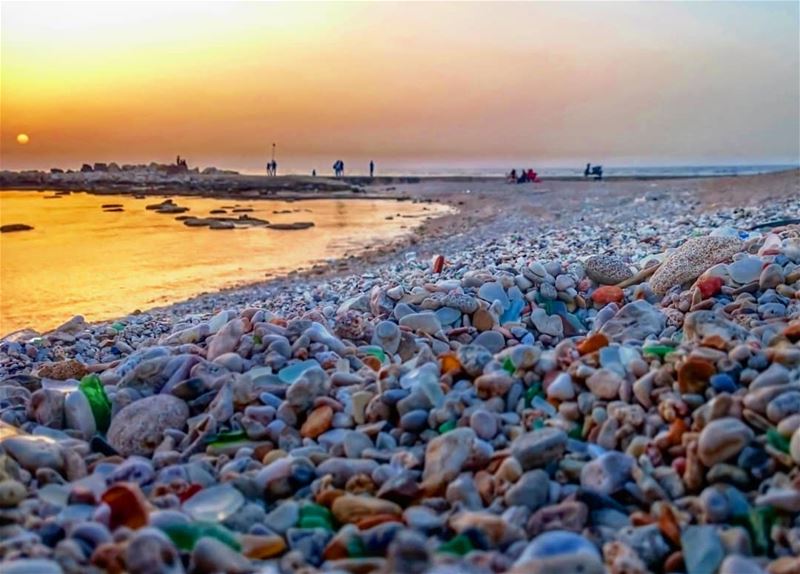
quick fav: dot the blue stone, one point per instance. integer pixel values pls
(702, 549)
(723, 383)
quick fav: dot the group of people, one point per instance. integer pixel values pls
(272, 168)
(338, 168)
(523, 176)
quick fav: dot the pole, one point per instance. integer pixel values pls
(273, 151)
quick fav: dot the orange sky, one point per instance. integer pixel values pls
(481, 84)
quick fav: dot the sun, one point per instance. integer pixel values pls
(23, 139)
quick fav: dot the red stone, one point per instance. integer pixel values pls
(128, 505)
(709, 286)
(438, 263)
(607, 294)
(592, 343)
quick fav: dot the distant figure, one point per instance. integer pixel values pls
(533, 177)
(338, 168)
(596, 171)
(269, 168)
(274, 168)
(512, 177)
(371, 169)
(313, 173)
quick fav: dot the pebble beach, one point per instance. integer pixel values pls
(575, 377)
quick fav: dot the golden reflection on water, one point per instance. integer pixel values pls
(82, 260)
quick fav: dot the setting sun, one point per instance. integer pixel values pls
(23, 139)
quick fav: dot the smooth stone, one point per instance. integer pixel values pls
(78, 414)
(557, 543)
(473, 358)
(636, 320)
(604, 383)
(492, 292)
(531, 490)
(702, 549)
(539, 447)
(447, 455)
(783, 406)
(737, 564)
(608, 473)
(547, 325)
(351, 508)
(425, 322)
(12, 493)
(794, 446)
(745, 270)
(30, 566)
(387, 336)
(293, 372)
(214, 504)
(561, 388)
(484, 424)
(211, 556)
(722, 439)
(139, 427)
(448, 315)
(283, 517)
(492, 340)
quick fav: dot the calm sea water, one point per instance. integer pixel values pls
(82, 260)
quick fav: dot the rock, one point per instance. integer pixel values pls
(12, 493)
(12, 227)
(387, 336)
(484, 424)
(694, 375)
(608, 473)
(350, 508)
(702, 549)
(794, 446)
(492, 340)
(691, 259)
(482, 320)
(559, 551)
(736, 564)
(539, 447)
(722, 439)
(706, 327)
(561, 388)
(745, 270)
(447, 455)
(607, 269)
(531, 490)
(210, 556)
(498, 531)
(637, 320)
(62, 370)
(139, 427)
(607, 294)
(547, 325)
(604, 383)
(473, 358)
(425, 322)
(150, 551)
(317, 422)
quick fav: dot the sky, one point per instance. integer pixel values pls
(408, 85)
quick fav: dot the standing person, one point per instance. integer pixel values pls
(313, 173)
(274, 168)
(269, 168)
(341, 168)
(371, 169)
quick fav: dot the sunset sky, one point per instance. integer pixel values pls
(408, 85)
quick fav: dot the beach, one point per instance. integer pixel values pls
(569, 375)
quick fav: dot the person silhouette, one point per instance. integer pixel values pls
(371, 168)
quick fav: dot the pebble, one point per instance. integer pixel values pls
(722, 439)
(139, 427)
(539, 447)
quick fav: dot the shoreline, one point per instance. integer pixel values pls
(437, 234)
